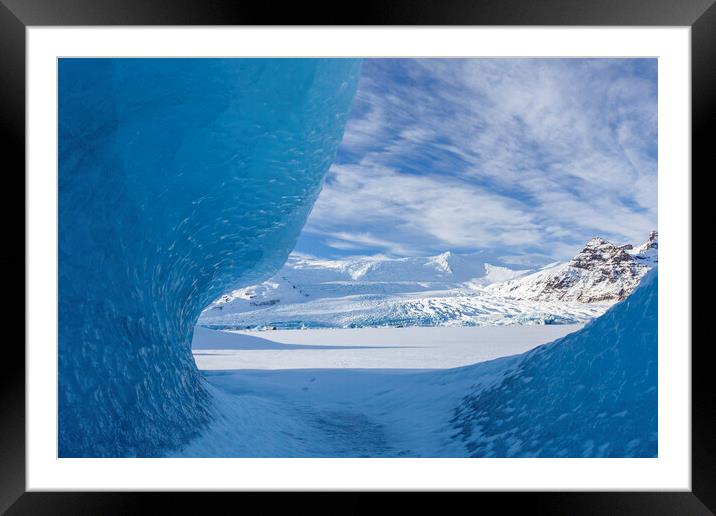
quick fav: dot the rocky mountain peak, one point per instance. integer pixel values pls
(596, 242)
(600, 272)
(651, 243)
(599, 253)
(647, 253)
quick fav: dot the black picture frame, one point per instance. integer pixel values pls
(16, 15)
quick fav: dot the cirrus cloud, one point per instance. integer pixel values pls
(515, 156)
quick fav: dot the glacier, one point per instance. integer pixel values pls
(178, 180)
(449, 289)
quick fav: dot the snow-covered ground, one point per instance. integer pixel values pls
(367, 348)
(337, 412)
(348, 392)
(395, 392)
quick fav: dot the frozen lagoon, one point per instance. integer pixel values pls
(435, 347)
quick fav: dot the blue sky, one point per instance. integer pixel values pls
(508, 156)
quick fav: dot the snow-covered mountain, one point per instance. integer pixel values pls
(601, 272)
(648, 252)
(445, 267)
(446, 289)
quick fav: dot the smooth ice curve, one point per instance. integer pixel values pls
(179, 180)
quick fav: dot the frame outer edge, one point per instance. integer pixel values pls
(370, 12)
(12, 136)
(702, 17)
(703, 395)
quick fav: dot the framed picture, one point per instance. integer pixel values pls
(417, 253)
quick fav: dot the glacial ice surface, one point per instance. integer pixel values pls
(592, 393)
(179, 180)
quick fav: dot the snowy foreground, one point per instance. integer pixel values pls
(369, 392)
(590, 393)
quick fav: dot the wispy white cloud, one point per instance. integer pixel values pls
(415, 213)
(508, 154)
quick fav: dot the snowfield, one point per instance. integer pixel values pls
(367, 348)
(368, 392)
(590, 393)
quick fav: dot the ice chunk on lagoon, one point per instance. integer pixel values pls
(179, 180)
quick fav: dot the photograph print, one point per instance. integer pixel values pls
(334, 257)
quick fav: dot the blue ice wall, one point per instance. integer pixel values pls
(592, 393)
(179, 180)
